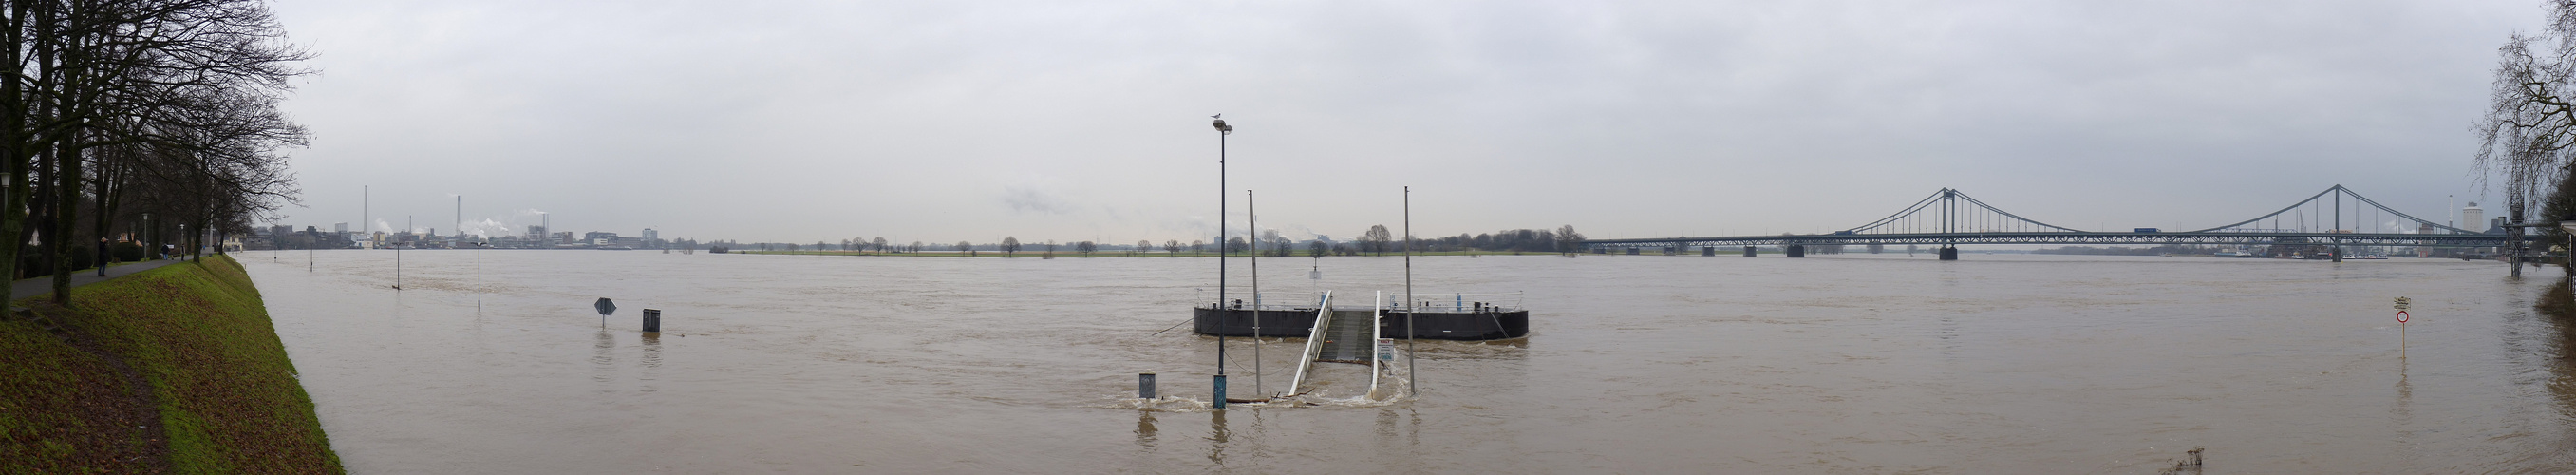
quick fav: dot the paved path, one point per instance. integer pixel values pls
(45, 285)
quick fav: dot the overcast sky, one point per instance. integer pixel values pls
(948, 121)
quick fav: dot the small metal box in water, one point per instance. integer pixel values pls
(652, 320)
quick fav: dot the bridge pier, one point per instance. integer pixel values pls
(1797, 250)
(1708, 251)
(1949, 253)
(1748, 251)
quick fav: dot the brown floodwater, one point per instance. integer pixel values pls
(1636, 364)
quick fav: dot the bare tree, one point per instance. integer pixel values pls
(1376, 239)
(1567, 240)
(1172, 247)
(2530, 124)
(170, 103)
(1144, 246)
(1010, 245)
(966, 247)
(880, 244)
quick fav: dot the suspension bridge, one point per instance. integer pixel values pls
(1949, 218)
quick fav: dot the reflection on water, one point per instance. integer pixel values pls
(1217, 438)
(1145, 429)
(604, 359)
(1646, 364)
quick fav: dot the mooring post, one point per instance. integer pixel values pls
(1145, 385)
(652, 321)
(1220, 391)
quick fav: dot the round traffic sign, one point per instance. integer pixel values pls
(2401, 316)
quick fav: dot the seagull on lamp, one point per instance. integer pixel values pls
(1221, 128)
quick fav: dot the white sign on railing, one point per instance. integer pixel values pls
(1386, 349)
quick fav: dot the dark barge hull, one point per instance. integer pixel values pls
(1468, 326)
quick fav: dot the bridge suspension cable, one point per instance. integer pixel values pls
(2338, 192)
(1940, 213)
(1949, 217)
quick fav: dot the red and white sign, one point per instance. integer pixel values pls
(2401, 316)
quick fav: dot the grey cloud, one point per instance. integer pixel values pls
(1624, 119)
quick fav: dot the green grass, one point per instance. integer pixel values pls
(197, 335)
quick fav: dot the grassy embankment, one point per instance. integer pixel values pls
(2559, 300)
(172, 369)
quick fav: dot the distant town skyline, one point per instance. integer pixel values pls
(948, 122)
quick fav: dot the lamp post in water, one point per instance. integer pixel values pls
(478, 276)
(1222, 253)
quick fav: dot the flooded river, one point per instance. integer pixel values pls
(1636, 364)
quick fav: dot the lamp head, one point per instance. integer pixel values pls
(1223, 129)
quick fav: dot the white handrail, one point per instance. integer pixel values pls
(1377, 329)
(1314, 343)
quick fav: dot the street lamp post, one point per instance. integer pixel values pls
(1222, 253)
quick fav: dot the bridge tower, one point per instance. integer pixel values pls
(1949, 223)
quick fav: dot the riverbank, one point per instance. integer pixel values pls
(170, 369)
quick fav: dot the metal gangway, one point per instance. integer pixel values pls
(1342, 336)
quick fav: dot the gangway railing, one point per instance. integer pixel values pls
(1377, 342)
(1314, 343)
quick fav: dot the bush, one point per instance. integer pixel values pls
(126, 251)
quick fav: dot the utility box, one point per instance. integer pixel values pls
(652, 321)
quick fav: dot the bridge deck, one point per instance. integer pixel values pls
(1347, 339)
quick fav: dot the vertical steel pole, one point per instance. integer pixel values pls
(1221, 255)
(1252, 217)
(1411, 379)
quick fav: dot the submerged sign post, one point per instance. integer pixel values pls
(605, 307)
(2402, 305)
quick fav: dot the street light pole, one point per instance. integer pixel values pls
(1222, 253)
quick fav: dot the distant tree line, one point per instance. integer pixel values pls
(1377, 240)
(117, 110)
(2131, 251)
